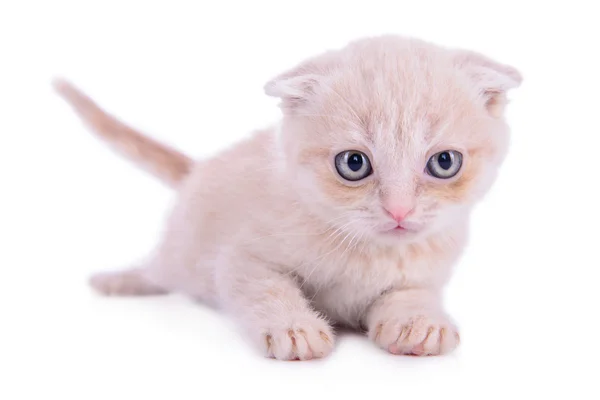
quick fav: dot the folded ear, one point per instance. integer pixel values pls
(492, 79)
(293, 90)
(298, 85)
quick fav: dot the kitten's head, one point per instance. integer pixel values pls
(393, 137)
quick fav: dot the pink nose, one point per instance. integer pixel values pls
(398, 213)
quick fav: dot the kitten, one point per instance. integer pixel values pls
(356, 204)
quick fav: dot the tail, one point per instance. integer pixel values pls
(167, 164)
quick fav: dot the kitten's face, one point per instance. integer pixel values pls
(393, 147)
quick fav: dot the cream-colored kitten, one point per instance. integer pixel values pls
(356, 204)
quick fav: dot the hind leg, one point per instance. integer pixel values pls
(130, 282)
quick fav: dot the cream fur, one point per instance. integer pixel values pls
(308, 250)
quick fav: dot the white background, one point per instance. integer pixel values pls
(525, 294)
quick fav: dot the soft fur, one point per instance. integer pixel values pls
(308, 250)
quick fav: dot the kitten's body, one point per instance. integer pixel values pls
(267, 231)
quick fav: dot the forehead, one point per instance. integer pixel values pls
(402, 102)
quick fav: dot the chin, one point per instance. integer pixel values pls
(395, 236)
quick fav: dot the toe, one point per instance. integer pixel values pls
(449, 340)
(282, 346)
(303, 350)
(431, 344)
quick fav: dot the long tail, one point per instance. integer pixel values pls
(167, 164)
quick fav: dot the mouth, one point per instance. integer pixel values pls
(397, 230)
(401, 229)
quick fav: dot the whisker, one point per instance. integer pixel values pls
(325, 116)
(322, 257)
(339, 233)
(284, 234)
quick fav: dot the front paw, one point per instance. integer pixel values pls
(419, 334)
(304, 339)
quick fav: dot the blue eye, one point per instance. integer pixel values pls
(445, 164)
(353, 165)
